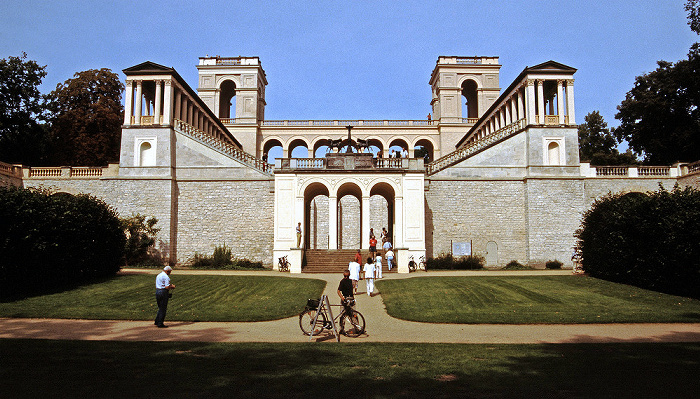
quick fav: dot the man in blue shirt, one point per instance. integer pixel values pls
(163, 287)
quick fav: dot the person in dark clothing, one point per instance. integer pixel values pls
(345, 289)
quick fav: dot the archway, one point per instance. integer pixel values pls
(382, 209)
(321, 147)
(298, 149)
(376, 147)
(398, 145)
(471, 99)
(227, 107)
(424, 149)
(272, 149)
(349, 216)
(316, 220)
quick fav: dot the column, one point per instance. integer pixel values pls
(177, 105)
(398, 222)
(159, 102)
(333, 222)
(513, 109)
(167, 102)
(364, 210)
(570, 101)
(311, 152)
(128, 102)
(560, 100)
(139, 102)
(540, 101)
(530, 99)
(520, 105)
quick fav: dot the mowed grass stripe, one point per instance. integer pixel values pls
(196, 298)
(531, 300)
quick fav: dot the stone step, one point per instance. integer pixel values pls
(334, 260)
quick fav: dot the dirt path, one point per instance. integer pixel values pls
(380, 326)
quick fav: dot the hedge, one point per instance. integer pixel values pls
(647, 240)
(52, 241)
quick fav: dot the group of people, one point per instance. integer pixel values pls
(372, 269)
(398, 154)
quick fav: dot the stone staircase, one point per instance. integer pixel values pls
(335, 260)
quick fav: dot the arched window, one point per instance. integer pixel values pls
(147, 154)
(227, 104)
(471, 99)
(553, 153)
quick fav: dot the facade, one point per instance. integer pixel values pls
(492, 172)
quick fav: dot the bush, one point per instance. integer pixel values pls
(140, 237)
(646, 240)
(515, 265)
(449, 262)
(52, 241)
(222, 258)
(553, 264)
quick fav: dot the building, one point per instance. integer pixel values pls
(493, 171)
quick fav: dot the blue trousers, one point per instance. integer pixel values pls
(162, 301)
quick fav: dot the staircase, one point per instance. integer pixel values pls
(335, 260)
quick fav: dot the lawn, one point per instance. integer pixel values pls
(196, 298)
(104, 369)
(530, 299)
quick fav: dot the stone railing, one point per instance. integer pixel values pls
(349, 162)
(65, 172)
(694, 167)
(228, 61)
(222, 146)
(475, 146)
(10, 170)
(388, 163)
(469, 60)
(470, 121)
(343, 123)
(632, 171)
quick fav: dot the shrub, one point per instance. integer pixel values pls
(222, 258)
(449, 262)
(647, 240)
(140, 237)
(515, 265)
(553, 264)
(51, 241)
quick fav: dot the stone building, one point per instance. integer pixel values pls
(492, 172)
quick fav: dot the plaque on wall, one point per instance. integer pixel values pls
(461, 248)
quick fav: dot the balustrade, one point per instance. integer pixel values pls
(551, 119)
(654, 171)
(86, 172)
(611, 170)
(45, 172)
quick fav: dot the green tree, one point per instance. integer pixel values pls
(693, 9)
(22, 138)
(597, 144)
(87, 118)
(659, 117)
(140, 237)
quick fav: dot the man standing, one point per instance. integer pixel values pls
(372, 246)
(298, 234)
(354, 268)
(345, 289)
(369, 275)
(163, 287)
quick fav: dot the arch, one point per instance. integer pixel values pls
(272, 149)
(470, 92)
(424, 148)
(147, 154)
(375, 146)
(227, 90)
(349, 187)
(349, 215)
(316, 215)
(398, 144)
(320, 146)
(491, 254)
(382, 196)
(553, 153)
(295, 143)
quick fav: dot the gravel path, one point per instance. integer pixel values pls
(380, 326)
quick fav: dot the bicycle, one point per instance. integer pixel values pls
(283, 264)
(348, 316)
(412, 266)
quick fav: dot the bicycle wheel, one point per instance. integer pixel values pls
(306, 322)
(352, 324)
(411, 266)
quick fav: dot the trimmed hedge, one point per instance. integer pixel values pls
(52, 241)
(449, 262)
(647, 240)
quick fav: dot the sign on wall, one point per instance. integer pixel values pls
(461, 248)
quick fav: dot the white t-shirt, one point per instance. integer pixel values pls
(354, 268)
(162, 280)
(378, 261)
(369, 270)
(389, 254)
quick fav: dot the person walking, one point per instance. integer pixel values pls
(369, 275)
(298, 234)
(387, 246)
(389, 258)
(354, 268)
(372, 246)
(358, 257)
(378, 265)
(384, 235)
(163, 287)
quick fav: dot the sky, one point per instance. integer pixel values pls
(355, 59)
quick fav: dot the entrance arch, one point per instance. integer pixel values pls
(350, 210)
(382, 198)
(227, 105)
(316, 224)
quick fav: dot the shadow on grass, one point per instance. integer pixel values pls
(196, 370)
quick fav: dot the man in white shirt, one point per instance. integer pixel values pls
(163, 287)
(369, 275)
(389, 258)
(378, 266)
(354, 268)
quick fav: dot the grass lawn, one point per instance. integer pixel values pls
(530, 299)
(106, 369)
(196, 298)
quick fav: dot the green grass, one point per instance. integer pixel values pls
(196, 298)
(104, 369)
(530, 299)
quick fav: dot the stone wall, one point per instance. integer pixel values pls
(599, 187)
(692, 180)
(349, 219)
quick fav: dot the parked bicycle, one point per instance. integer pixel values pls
(352, 323)
(283, 264)
(412, 265)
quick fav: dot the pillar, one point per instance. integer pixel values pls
(560, 100)
(159, 102)
(540, 101)
(520, 105)
(167, 103)
(364, 210)
(139, 102)
(570, 101)
(177, 105)
(333, 222)
(128, 102)
(530, 100)
(398, 222)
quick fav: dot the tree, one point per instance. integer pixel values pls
(87, 118)
(660, 117)
(693, 9)
(597, 144)
(22, 138)
(140, 237)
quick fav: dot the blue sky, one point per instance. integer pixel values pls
(355, 59)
